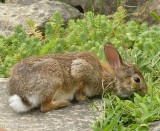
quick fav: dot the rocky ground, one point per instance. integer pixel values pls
(77, 117)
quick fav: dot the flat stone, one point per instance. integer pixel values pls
(155, 126)
(21, 1)
(77, 117)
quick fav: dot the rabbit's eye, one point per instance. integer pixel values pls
(136, 79)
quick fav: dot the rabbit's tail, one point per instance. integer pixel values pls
(18, 105)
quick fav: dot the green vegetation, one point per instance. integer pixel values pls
(136, 42)
(2, 1)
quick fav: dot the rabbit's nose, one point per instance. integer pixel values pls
(127, 97)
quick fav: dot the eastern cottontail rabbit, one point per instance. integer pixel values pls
(52, 81)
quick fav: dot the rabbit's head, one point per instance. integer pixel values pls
(121, 78)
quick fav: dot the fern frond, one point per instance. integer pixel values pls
(121, 14)
(54, 27)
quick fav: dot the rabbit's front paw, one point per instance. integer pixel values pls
(81, 98)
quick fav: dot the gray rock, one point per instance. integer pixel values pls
(81, 5)
(98, 6)
(105, 6)
(77, 117)
(155, 126)
(21, 1)
(70, 2)
(15, 14)
(75, 3)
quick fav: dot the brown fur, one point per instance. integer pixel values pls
(60, 78)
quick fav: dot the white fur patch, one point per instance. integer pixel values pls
(17, 105)
(79, 67)
(77, 63)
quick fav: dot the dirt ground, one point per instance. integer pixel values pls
(77, 117)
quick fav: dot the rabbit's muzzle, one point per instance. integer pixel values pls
(124, 87)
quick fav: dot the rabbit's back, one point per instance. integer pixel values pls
(52, 81)
(41, 75)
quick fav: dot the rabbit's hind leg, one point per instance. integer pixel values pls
(53, 105)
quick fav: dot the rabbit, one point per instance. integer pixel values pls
(53, 81)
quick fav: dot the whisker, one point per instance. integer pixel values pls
(108, 86)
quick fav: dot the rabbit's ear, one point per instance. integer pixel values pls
(113, 56)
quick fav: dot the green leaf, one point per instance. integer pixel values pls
(110, 126)
(143, 127)
(144, 108)
(155, 16)
(31, 23)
